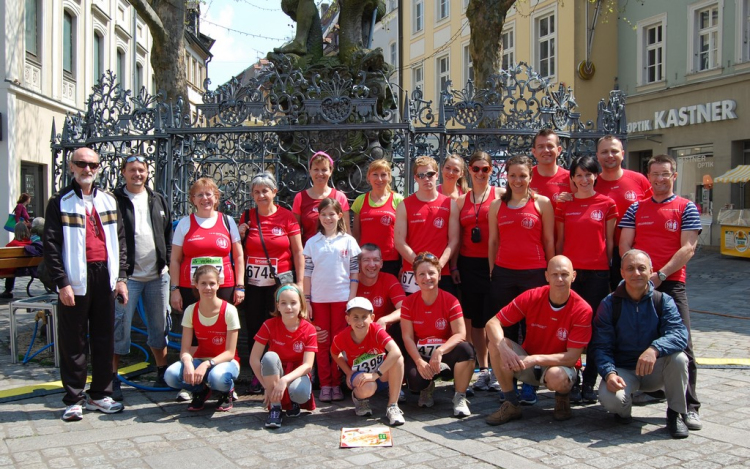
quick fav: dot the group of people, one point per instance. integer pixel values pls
(374, 304)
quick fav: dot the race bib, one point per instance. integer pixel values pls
(426, 347)
(368, 362)
(258, 272)
(217, 262)
(409, 281)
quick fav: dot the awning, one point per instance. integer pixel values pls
(739, 174)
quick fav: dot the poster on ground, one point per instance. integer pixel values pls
(365, 437)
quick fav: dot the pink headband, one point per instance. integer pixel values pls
(330, 160)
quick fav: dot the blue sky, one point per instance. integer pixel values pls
(233, 52)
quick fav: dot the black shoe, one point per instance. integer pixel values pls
(159, 381)
(675, 425)
(255, 386)
(658, 395)
(226, 401)
(575, 394)
(588, 394)
(199, 399)
(274, 417)
(294, 411)
(6, 295)
(116, 389)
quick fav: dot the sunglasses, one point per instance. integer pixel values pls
(83, 164)
(428, 174)
(140, 159)
(484, 169)
(425, 256)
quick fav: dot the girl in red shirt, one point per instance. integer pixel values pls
(284, 370)
(305, 205)
(213, 364)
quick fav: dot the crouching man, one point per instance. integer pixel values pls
(639, 340)
(558, 327)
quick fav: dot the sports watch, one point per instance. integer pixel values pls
(662, 276)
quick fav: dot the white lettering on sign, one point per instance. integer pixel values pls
(689, 115)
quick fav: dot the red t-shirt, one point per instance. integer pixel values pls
(290, 346)
(585, 230)
(307, 209)
(549, 331)
(376, 227)
(212, 340)
(373, 344)
(427, 227)
(468, 218)
(631, 187)
(384, 294)
(14, 243)
(433, 320)
(520, 233)
(96, 244)
(550, 187)
(277, 229)
(206, 242)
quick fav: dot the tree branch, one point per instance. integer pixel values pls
(147, 14)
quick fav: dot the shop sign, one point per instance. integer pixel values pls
(687, 115)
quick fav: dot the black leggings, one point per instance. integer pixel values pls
(460, 353)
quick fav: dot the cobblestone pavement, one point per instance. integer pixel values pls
(155, 432)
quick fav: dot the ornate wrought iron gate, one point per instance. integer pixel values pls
(276, 121)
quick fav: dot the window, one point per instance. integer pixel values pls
(32, 27)
(120, 67)
(443, 68)
(138, 78)
(743, 28)
(98, 56)
(69, 44)
(443, 9)
(468, 65)
(418, 16)
(652, 49)
(545, 32)
(394, 54)
(418, 76)
(704, 31)
(509, 46)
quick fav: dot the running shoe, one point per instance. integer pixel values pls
(425, 396)
(295, 411)
(460, 405)
(493, 384)
(199, 399)
(106, 404)
(361, 407)
(483, 381)
(274, 417)
(337, 394)
(325, 394)
(394, 415)
(116, 388)
(73, 413)
(226, 401)
(528, 394)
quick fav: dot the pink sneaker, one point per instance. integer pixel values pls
(325, 393)
(338, 394)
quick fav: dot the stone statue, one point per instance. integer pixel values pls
(308, 40)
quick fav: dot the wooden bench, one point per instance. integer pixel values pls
(16, 257)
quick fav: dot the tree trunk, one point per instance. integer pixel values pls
(486, 19)
(166, 22)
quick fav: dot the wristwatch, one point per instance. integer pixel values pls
(212, 363)
(379, 373)
(662, 276)
(173, 287)
(122, 279)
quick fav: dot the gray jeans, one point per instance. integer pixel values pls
(300, 389)
(670, 374)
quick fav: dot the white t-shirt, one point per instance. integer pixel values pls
(144, 269)
(331, 258)
(184, 225)
(231, 316)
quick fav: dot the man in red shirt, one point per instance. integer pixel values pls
(558, 327)
(382, 289)
(547, 177)
(621, 185)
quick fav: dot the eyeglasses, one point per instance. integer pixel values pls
(204, 195)
(425, 256)
(660, 175)
(427, 175)
(83, 164)
(484, 169)
(140, 159)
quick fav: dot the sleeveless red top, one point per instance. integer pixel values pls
(520, 232)
(376, 226)
(427, 227)
(212, 340)
(469, 219)
(206, 242)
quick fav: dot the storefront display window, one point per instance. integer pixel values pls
(695, 173)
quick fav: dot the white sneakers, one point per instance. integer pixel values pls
(394, 415)
(73, 413)
(107, 405)
(460, 405)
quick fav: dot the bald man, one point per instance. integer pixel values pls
(558, 327)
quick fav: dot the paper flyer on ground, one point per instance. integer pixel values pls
(365, 437)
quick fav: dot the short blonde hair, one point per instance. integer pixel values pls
(381, 165)
(205, 183)
(424, 161)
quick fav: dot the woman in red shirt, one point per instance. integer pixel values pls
(469, 268)
(305, 205)
(434, 336)
(585, 235)
(213, 365)
(454, 177)
(375, 215)
(284, 369)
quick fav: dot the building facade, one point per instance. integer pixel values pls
(52, 53)
(685, 66)
(555, 38)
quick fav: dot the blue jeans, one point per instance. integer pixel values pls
(220, 378)
(155, 295)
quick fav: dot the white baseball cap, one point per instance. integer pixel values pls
(359, 302)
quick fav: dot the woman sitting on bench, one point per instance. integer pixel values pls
(22, 238)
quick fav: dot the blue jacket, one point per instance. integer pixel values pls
(638, 328)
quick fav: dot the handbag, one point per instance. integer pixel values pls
(10, 225)
(286, 277)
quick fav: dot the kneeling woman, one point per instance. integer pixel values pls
(213, 365)
(284, 370)
(434, 335)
